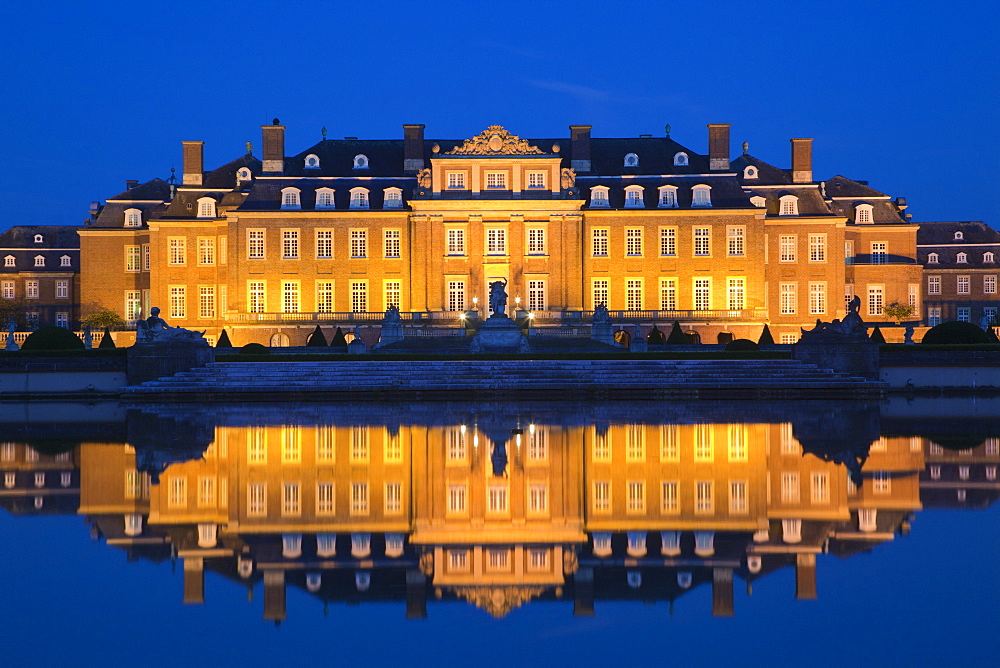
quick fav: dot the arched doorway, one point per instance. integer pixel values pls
(622, 337)
(693, 336)
(725, 337)
(279, 340)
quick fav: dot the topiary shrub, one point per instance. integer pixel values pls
(677, 335)
(741, 345)
(954, 332)
(316, 338)
(254, 349)
(876, 335)
(339, 340)
(655, 337)
(107, 341)
(52, 338)
(765, 337)
(224, 341)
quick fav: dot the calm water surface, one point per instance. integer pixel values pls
(429, 533)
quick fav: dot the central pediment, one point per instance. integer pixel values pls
(495, 140)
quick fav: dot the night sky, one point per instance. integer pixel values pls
(899, 94)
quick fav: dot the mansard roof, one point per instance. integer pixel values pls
(726, 192)
(336, 158)
(156, 189)
(811, 202)
(224, 177)
(841, 186)
(943, 233)
(265, 195)
(767, 174)
(53, 236)
(656, 155)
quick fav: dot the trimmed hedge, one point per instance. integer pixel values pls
(223, 341)
(255, 349)
(339, 340)
(876, 335)
(956, 332)
(655, 337)
(52, 338)
(677, 336)
(741, 345)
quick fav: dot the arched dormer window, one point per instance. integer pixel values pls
(631, 160)
(791, 531)
(668, 197)
(633, 197)
(393, 198)
(359, 198)
(636, 543)
(290, 198)
(758, 201)
(39, 238)
(65, 261)
(602, 544)
(206, 207)
(634, 579)
(701, 195)
(599, 197)
(361, 161)
(243, 175)
(291, 545)
(749, 172)
(988, 258)
(684, 579)
(863, 213)
(312, 161)
(324, 198)
(39, 260)
(680, 159)
(867, 519)
(326, 544)
(789, 205)
(933, 258)
(133, 218)
(244, 567)
(959, 236)
(962, 258)
(394, 545)
(313, 582)
(9, 261)
(361, 545)
(362, 580)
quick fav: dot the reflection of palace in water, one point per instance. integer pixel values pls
(498, 509)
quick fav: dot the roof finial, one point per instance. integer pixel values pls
(667, 128)
(173, 175)
(746, 147)
(249, 148)
(324, 132)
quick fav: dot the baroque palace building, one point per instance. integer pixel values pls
(658, 232)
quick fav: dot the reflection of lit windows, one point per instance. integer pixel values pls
(132, 484)
(636, 497)
(359, 444)
(257, 499)
(538, 560)
(881, 482)
(177, 492)
(9, 479)
(935, 472)
(497, 499)
(456, 499)
(737, 436)
(670, 497)
(820, 488)
(602, 445)
(325, 444)
(703, 450)
(40, 479)
(291, 444)
(325, 498)
(538, 498)
(602, 497)
(669, 447)
(206, 492)
(458, 561)
(393, 498)
(963, 472)
(359, 498)
(789, 446)
(602, 544)
(498, 561)
(635, 443)
(636, 543)
(256, 445)
(393, 450)
(704, 501)
(790, 487)
(538, 439)
(455, 444)
(738, 497)
(290, 499)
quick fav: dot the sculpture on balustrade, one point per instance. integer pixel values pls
(11, 343)
(498, 298)
(155, 330)
(851, 329)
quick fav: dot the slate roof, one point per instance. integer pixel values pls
(157, 189)
(53, 236)
(841, 186)
(726, 192)
(225, 177)
(884, 212)
(265, 195)
(766, 173)
(656, 155)
(811, 202)
(942, 232)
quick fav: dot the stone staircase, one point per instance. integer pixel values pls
(472, 379)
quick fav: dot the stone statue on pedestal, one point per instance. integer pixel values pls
(11, 343)
(498, 299)
(155, 329)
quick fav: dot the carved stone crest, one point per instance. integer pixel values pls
(424, 178)
(568, 178)
(495, 140)
(498, 601)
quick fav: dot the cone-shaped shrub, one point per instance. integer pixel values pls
(677, 335)
(316, 338)
(106, 340)
(655, 337)
(339, 340)
(876, 335)
(224, 341)
(765, 337)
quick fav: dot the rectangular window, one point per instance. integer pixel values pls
(456, 499)
(670, 500)
(498, 561)
(879, 255)
(964, 314)
(602, 445)
(735, 241)
(456, 180)
(133, 305)
(963, 285)
(456, 241)
(786, 247)
(848, 252)
(536, 179)
(738, 497)
(704, 447)
(291, 444)
(933, 285)
(178, 301)
(359, 444)
(820, 489)
(496, 180)
(8, 290)
(737, 294)
(177, 247)
(633, 242)
(668, 294)
(670, 450)
(881, 482)
(601, 501)
(393, 292)
(817, 298)
(256, 445)
(257, 499)
(536, 241)
(990, 313)
(326, 444)
(133, 258)
(599, 243)
(497, 500)
(324, 244)
(290, 244)
(393, 498)
(875, 299)
(145, 257)
(668, 241)
(256, 293)
(255, 244)
(702, 241)
(788, 298)
(290, 296)
(206, 301)
(290, 499)
(62, 319)
(359, 243)
(989, 285)
(636, 496)
(223, 250)
(817, 248)
(359, 498)
(600, 287)
(538, 560)
(790, 487)
(737, 442)
(538, 498)
(31, 289)
(455, 444)
(538, 442)
(62, 289)
(359, 297)
(633, 294)
(324, 296)
(393, 243)
(392, 452)
(536, 295)
(325, 499)
(177, 493)
(496, 242)
(458, 561)
(456, 295)
(704, 498)
(206, 250)
(702, 294)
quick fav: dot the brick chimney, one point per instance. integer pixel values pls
(194, 162)
(274, 147)
(413, 148)
(579, 139)
(802, 160)
(718, 146)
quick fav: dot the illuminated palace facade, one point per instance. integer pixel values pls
(333, 235)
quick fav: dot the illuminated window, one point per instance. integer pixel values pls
(133, 218)
(702, 241)
(206, 207)
(668, 241)
(324, 198)
(735, 241)
(359, 243)
(600, 288)
(790, 487)
(602, 445)
(536, 180)
(736, 294)
(325, 499)
(177, 492)
(703, 497)
(601, 500)
(456, 295)
(392, 198)
(496, 241)
(536, 241)
(881, 482)
(633, 294)
(633, 241)
(738, 497)
(633, 197)
(749, 172)
(359, 198)
(361, 161)
(458, 561)
(393, 498)
(178, 301)
(206, 301)
(456, 498)
(599, 197)
(392, 243)
(133, 258)
(290, 499)
(497, 499)
(670, 450)
(496, 180)
(702, 294)
(789, 205)
(599, 242)
(456, 241)
(255, 244)
(787, 247)
(538, 498)
(177, 250)
(538, 444)
(820, 489)
(456, 180)
(359, 498)
(863, 213)
(817, 248)
(668, 197)
(817, 298)
(538, 560)
(701, 196)
(256, 445)
(635, 496)
(668, 294)
(670, 502)
(788, 298)
(498, 560)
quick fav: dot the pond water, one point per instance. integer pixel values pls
(505, 532)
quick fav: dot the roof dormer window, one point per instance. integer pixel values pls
(988, 258)
(359, 198)
(680, 159)
(932, 258)
(962, 258)
(750, 172)
(39, 238)
(206, 207)
(39, 261)
(959, 236)
(133, 218)
(789, 205)
(701, 195)
(9, 261)
(863, 213)
(393, 198)
(312, 161)
(290, 198)
(633, 197)
(758, 201)
(243, 175)
(324, 198)
(631, 160)
(599, 197)
(65, 261)
(668, 197)
(361, 162)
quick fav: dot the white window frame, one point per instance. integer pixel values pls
(701, 195)
(863, 214)
(681, 159)
(392, 198)
(321, 199)
(206, 207)
(633, 197)
(133, 218)
(600, 245)
(736, 241)
(360, 199)
(311, 161)
(667, 197)
(361, 162)
(599, 197)
(392, 243)
(789, 205)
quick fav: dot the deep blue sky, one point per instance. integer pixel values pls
(900, 94)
